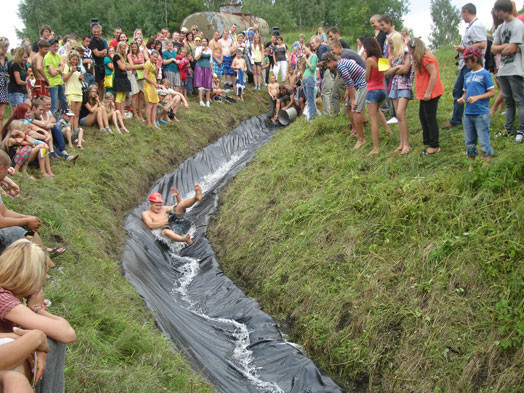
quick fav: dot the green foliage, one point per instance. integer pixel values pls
(74, 15)
(396, 274)
(446, 18)
(350, 16)
(118, 347)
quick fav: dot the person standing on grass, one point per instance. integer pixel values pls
(356, 89)
(203, 79)
(98, 47)
(508, 41)
(478, 89)
(475, 35)
(4, 77)
(429, 90)
(150, 89)
(121, 84)
(308, 80)
(73, 85)
(17, 87)
(218, 59)
(401, 86)
(376, 91)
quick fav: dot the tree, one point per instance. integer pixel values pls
(446, 19)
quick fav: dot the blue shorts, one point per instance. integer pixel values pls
(403, 93)
(16, 99)
(375, 96)
(82, 121)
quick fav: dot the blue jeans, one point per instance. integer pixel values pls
(89, 79)
(309, 90)
(57, 94)
(476, 128)
(458, 91)
(58, 140)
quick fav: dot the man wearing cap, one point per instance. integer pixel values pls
(356, 89)
(157, 217)
(53, 68)
(475, 35)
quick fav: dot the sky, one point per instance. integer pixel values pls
(418, 18)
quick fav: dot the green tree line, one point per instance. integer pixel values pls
(65, 16)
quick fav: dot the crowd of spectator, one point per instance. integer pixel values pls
(57, 86)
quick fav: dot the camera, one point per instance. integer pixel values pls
(78, 68)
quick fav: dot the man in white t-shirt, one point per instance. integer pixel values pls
(475, 35)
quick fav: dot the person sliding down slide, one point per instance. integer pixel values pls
(157, 215)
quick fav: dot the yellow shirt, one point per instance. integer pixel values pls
(53, 61)
(73, 85)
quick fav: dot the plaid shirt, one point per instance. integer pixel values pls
(8, 301)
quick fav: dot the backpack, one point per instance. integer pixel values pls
(489, 58)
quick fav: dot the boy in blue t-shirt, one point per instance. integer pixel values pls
(478, 89)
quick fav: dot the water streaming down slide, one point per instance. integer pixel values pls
(223, 332)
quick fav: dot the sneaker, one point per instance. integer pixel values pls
(53, 156)
(158, 124)
(109, 130)
(71, 158)
(393, 120)
(207, 104)
(163, 122)
(519, 137)
(202, 103)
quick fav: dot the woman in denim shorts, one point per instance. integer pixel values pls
(17, 86)
(401, 86)
(376, 89)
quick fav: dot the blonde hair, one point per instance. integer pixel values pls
(19, 56)
(4, 43)
(398, 46)
(16, 125)
(72, 54)
(23, 267)
(119, 51)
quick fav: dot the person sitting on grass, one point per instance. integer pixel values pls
(113, 113)
(16, 349)
(23, 269)
(93, 112)
(157, 216)
(478, 89)
(67, 129)
(23, 149)
(172, 99)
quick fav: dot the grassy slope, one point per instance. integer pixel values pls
(397, 274)
(118, 348)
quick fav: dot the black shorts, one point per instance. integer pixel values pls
(100, 72)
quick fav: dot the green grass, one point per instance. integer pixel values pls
(396, 274)
(118, 348)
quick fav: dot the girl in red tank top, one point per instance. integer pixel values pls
(376, 89)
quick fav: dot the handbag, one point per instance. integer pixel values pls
(108, 81)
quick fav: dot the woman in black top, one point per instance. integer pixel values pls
(17, 87)
(121, 84)
(280, 56)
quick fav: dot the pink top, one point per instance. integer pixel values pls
(8, 301)
(376, 79)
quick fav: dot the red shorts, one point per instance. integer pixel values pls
(40, 89)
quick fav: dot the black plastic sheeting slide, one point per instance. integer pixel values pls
(224, 333)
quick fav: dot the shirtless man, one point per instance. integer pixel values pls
(228, 47)
(216, 48)
(272, 89)
(37, 62)
(157, 215)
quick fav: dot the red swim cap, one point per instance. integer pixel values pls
(156, 197)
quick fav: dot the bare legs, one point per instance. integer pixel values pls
(374, 116)
(151, 114)
(401, 105)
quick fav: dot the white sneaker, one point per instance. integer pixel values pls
(519, 137)
(393, 120)
(207, 104)
(202, 103)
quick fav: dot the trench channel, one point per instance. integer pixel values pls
(223, 332)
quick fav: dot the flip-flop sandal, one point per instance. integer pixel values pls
(426, 153)
(54, 252)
